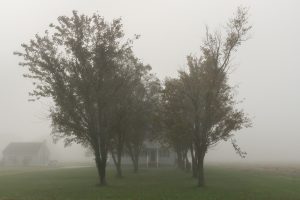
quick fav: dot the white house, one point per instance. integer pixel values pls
(26, 154)
(152, 155)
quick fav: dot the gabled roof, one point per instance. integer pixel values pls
(23, 148)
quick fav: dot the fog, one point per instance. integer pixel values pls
(266, 68)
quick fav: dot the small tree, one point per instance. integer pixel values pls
(79, 63)
(145, 108)
(125, 111)
(175, 114)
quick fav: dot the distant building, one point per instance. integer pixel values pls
(26, 154)
(152, 155)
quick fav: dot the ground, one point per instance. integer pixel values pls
(223, 182)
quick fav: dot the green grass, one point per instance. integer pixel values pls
(155, 184)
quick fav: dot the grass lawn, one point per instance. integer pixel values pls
(152, 184)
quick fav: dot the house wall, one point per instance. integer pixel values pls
(20, 160)
(163, 158)
(40, 158)
(24, 160)
(168, 160)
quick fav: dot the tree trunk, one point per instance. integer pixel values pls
(180, 160)
(119, 168)
(101, 168)
(103, 174)
(194, 163)
(117, 162)
(194, 168)
(200, 166)
(134, 155)
(136, 166)
(187, 164)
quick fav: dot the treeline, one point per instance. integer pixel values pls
(106, 99)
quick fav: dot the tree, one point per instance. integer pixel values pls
(125, 110)
(206, 86)
(175, 114)
(80, 63)
(208, 100)
(142, 118)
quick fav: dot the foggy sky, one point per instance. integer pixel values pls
(267, 67)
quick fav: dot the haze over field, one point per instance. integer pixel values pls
(267, 66)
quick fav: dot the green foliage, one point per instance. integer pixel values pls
(106, 99)
(200, 105)
(87, 67)
(82, 63)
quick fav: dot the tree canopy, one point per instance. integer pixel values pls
(106, 99)
(200, 103)
(87, 67)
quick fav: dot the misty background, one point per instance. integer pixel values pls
(266, 68)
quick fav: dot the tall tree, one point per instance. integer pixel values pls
(79, 63)
(206, 86)
(208, 100)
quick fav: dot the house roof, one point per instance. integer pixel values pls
(23, 148)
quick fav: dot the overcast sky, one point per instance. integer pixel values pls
(267, 67)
